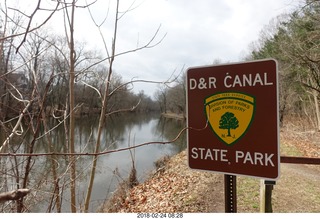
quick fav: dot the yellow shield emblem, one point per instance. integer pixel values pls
(230, 115)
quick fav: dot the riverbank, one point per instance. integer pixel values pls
(174, 187)
(174, 116)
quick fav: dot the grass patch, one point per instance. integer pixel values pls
(248, 194)
(289, 150)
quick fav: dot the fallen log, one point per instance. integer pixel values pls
(13, 195)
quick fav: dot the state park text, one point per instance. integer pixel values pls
(245, 80)
(221, 155)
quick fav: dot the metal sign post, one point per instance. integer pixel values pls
(230, 193)
(266, 188)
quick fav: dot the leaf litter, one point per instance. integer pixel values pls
(174, 187)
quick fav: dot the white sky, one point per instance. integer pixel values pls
(197, 32)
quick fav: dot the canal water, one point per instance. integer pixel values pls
(119, 132)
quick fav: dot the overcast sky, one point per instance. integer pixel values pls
(196, 33)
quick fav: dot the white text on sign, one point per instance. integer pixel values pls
(252, 158)
(246, 80)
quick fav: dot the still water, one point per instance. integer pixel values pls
(119, 132)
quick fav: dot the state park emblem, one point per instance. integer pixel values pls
(230, 115)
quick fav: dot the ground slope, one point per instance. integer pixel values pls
(176, 188)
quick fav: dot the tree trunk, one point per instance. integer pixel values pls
(72, 158)
(315, 97)
(102, 116)
(229, 133)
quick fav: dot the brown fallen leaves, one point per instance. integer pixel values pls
(306, 142)
(174, 188)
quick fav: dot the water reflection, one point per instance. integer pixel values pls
(130, 131)
(119, 132)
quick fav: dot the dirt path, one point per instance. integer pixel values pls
(309, 172)
(298, 189)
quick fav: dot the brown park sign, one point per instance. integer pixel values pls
(232, 115)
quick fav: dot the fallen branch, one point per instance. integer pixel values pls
(13, 195)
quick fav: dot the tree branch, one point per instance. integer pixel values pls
(106, 152)
(150, 44)
(30, 20)
(13, 195)
(15, 129)
(124, 110)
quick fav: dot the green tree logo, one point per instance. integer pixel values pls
(228, 121)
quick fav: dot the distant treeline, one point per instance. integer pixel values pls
(294, 41)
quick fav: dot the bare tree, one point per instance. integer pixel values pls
(161, 97)
(109, 91)
(55, 78)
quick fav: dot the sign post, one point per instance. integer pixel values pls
(266, 188)
(230, 194)
(232, 115)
